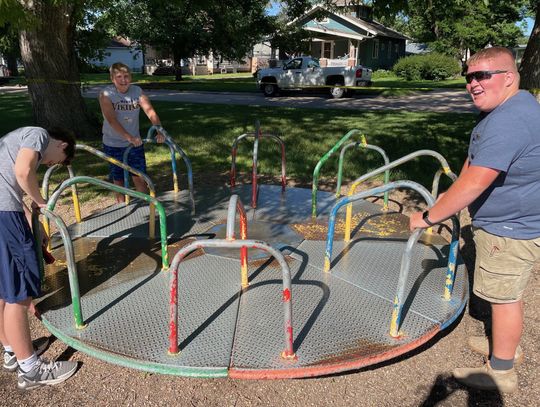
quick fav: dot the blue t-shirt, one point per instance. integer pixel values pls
(508, 139)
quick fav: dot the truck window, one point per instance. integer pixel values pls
(294, 64)
(313, 63)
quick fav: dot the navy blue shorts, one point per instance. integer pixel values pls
(19, 270)
(135, 159)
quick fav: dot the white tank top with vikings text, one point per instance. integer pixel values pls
(127, 108)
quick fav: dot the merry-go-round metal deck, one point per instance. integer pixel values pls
(340, 319)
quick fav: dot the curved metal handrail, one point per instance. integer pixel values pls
(405, 260)
(116, 188)
(232, 176)
(235, 205)
(173, 148)
(255, 163)
(393, 164)
(45, 193)
(367, 146)
(318, 167)
(288, 353)
(145, 177)
(71, 264)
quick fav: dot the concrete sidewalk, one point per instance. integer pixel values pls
(439, 101)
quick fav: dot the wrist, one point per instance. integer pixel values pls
(425, 218)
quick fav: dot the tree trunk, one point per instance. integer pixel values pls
(50, 63)
(530, 63)
(177, 60)
(11, 60)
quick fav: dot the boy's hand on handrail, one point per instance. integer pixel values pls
(136, 141)
(160, 138)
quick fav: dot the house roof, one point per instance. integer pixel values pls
(119, 42)
(373, 28)
(377, 28)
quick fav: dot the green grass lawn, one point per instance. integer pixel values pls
(206, 134)
(387, 84)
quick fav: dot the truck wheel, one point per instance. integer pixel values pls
(336, 91)
(270, 89)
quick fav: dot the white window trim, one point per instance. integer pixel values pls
(331, 49)
(375, 54)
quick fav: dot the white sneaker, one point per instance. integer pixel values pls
(46, 373)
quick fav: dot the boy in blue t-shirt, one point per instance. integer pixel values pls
(499, 183)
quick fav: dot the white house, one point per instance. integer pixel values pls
(122, 50)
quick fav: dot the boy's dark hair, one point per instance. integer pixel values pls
(66, 136)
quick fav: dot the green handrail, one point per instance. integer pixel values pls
(71, 264)
(116, 188)
(317, 169)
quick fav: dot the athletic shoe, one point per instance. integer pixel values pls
(46, 373)
(486, 378)
(481, 344)
(10, 360)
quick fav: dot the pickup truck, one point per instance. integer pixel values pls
(305, 72)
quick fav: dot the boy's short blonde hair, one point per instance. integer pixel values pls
(119, 67)
(491, 53)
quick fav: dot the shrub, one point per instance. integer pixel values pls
(164, 70)
(86, 67)
(382, 73)
(432, 66)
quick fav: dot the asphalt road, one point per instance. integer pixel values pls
(442, 100)
(457, 101)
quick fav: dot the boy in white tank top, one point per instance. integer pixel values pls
(120, 105)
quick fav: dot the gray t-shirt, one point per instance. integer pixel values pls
(34, 138)
(508, 139)
(127, 108)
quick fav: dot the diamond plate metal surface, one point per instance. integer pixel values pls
(374, 265)
(131, 318)
(331, 319)
(277, 235)
(337, 316)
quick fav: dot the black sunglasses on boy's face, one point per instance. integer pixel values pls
(481, 75)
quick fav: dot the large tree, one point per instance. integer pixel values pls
(530, 63)
(46, 39)
(185, 28)
(455, 26)
(9, 47)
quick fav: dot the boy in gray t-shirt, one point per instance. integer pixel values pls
(120, 105)
(21, 152)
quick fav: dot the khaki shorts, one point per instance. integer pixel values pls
(503, 266)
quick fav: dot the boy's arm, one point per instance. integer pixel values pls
(470, 184)
(25, 173)
(152, 115)
(110, 115)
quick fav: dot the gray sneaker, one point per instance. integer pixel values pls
(10, 360)
(46, 373)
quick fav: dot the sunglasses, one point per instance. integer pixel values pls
(481, 75)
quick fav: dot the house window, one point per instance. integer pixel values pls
(390, 50)
(327, 49)
(396, 47)
(375, 49)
